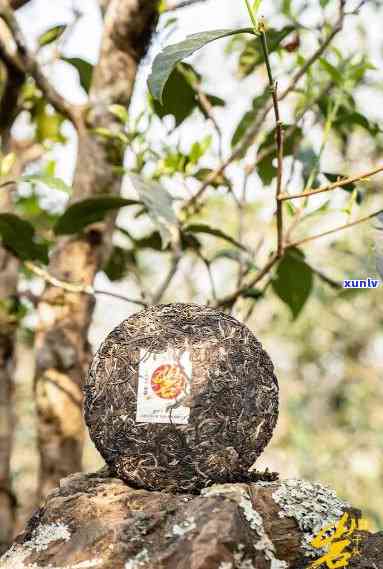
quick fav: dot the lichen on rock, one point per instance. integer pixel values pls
(96, 522)
(138, 561)
(240, 493)
(184, 527)
(42, 538)
(311, 504)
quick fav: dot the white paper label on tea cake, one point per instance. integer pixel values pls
(163, 384)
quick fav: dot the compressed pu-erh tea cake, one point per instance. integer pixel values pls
(181, 396)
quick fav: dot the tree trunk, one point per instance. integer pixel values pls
(12, 80)
(93, 521)
(8, 286)
(9, 268)
(62, 348)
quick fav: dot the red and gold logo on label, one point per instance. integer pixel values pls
(168, 381)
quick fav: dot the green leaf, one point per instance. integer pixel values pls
(214, 101)
(167, 60)
(332, 178)
(51, 35)
(336, 75)
(248, 118)
(294, 281)
(120, 112)
(265, 167)
(203, 228)
(231, 254)
(179, 98)
(151, 241)
(50, 168)
(50, 181)
(199, 148)
(18, 235)
(348, 118)
(171, 164)
(204, 173)
(335, 177)
(159, 204)
(48, 125)
(243, 126)
(310, 161)
(252, 54)
(91, 210)
(253, 293)
(84, 69)
(119, 263)
(28, 207)
(286, 7)
(256, 5)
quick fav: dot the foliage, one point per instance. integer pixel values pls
(167, 60)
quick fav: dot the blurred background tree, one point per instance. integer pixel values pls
(195, 219)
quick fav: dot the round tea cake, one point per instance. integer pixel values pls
(181, 396)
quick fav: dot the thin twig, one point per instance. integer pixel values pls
(335, 230)
(328, 280)
(77, 288)
(30, 65)
(208, 108)
(120, 297)
(241, 204)
(279, 141)
(252, 306)
(338, 184)
(357, 9)
(168, 279)
(230, 299)
(207, 265)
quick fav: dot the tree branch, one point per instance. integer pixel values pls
(335, 230)
(230, 299)
(76, 288)
(27, 62)
(169, 277)
(279, 142)
(333, 186)
(12, 85)
(16, 4)
(209, 110)
(328, 280)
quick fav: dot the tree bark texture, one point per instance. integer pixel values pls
(96, 521)
(63, 352)
(8, 287)
(12, 81)
(9, 269)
